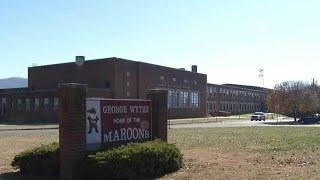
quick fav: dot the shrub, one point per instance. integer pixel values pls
(43, 160)
(149, 159)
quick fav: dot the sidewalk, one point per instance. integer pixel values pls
(13, 127)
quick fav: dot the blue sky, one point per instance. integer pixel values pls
(228, 40)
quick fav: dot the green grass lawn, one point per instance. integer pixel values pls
(253, 139)
(249, 152)
(219, 153)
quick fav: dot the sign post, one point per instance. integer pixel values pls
(72, 128)
(159, 108)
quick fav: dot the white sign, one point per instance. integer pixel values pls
(93, 125)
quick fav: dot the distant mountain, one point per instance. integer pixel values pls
(13, 82)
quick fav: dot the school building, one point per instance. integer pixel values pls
(235, 99)
(189, 95)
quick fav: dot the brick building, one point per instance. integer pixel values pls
(108, 78)
(189, 93)
(235, 99)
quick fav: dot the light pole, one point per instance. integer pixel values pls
(261, 75)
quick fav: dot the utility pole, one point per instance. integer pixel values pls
(261, 75)
(313, 82)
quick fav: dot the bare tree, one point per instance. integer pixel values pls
(295, 98)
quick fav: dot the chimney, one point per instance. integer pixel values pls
(194, 68)
(80, 60)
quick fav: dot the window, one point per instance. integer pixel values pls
(28, 104)
(36, 104)
(210, 106)
(19, 105)
(211, 90)
(184, 98)
(108, 85)
(173, 98)
(3, 107)
(194, 99)
(55, 103)
(46, 104)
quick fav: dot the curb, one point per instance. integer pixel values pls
(21, 129)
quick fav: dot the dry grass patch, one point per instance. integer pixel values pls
(11, 145)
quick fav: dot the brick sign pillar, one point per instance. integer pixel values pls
(72, 128)
(159, 115)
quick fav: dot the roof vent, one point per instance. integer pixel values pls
(194, 68)
(80, 60)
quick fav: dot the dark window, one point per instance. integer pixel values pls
(36, 104)
(173, 98)
(211, 106)
(195, 99)
(20, 104)
(55, 103)
(46, 104)
(184, 98)
(108, 85)
(28, 104)
(4, 103)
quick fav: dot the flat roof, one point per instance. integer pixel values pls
(115, 59)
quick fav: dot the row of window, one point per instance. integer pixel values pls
(34, 104)
(183, 98)
(232, 92)
(175, 79)
(214, 106)
(28, 104)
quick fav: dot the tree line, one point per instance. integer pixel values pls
(294, 98)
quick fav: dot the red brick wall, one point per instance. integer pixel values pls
(128, 79)
(144, 76)
(94, 73)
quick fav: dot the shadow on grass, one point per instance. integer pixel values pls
(18, 176)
